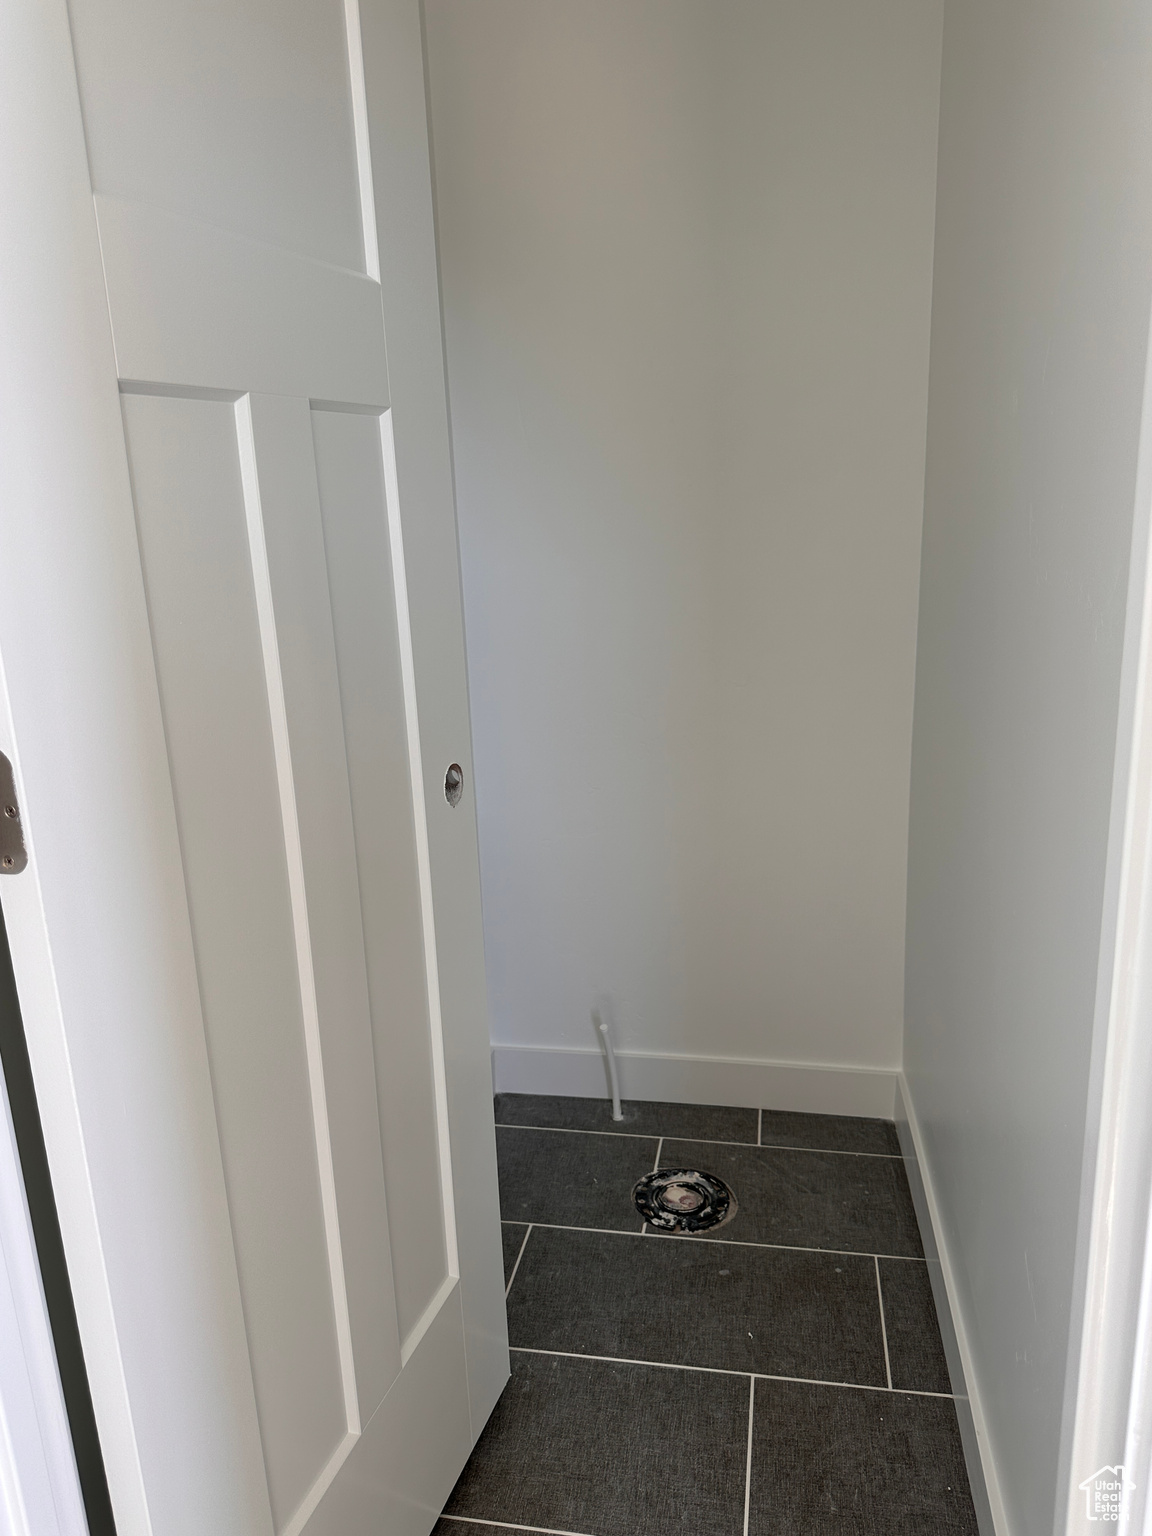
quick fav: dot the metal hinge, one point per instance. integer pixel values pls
(13, 854)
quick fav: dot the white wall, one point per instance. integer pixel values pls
(686, 265)
(1043, 281)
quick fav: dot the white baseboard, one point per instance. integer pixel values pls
(978, 1455)
(751, 1084)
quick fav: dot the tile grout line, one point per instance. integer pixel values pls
(883, 1324)
(759, 1127)
(748, 1462)
(509, 1525)
(660, 1365)
(720, 1370)
(854, 1386)
(726, 1242)
(519, 1256)
(705, 1141)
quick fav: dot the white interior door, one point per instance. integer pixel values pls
(248, 938)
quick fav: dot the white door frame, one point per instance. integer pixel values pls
(1108, 1396)
(39, 1487)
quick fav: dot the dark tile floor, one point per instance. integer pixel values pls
(782, 1376)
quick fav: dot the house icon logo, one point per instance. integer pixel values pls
(1103, 1492)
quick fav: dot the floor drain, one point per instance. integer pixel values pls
(683, 1200)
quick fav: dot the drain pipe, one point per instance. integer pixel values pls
(600, 1019)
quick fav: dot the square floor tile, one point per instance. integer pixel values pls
(704, 1304)
(512, 1239)
(809, 1199)
(828, 1133)
(611, 1450)
(838, 1461)
(701, 1122)
(914, 1346)
(571, 1179)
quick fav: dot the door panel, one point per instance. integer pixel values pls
(237, 113)
(185, 463)
(287, 546)
(356, 534)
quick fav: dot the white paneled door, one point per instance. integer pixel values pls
(248, 937)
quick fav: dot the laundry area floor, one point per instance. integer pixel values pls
(781, 1375)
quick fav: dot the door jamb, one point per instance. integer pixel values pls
(39, 1485)
(1107, 1420)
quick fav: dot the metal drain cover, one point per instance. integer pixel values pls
(683, 1200)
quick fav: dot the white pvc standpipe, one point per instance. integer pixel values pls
(602, 1025)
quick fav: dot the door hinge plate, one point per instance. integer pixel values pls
(13, 854)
